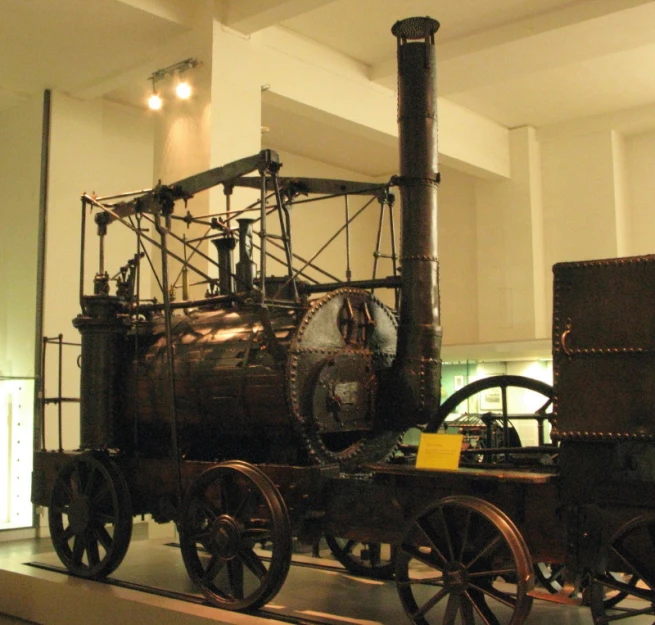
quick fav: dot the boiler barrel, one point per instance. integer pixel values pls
(230, 390)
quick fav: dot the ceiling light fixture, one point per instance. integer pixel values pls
(182, 87)
(183, 90)
(154, 101)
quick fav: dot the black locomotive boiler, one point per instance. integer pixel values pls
(268, 409)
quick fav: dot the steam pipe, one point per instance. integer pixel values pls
(224, 246)
(418, 353)
(245, 267)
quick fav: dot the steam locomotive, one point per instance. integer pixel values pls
(268, 409)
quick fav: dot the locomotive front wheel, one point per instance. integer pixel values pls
(374, 560)
(90, 516)
(630, 594)
(462, 560)
(235, 536)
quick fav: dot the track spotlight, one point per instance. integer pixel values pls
(183, 89)
(154, 101)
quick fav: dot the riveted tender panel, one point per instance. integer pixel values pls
(604, 350)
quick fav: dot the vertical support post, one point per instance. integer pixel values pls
(60, 394)
(263, 234)
(348, 271)
(169, 347)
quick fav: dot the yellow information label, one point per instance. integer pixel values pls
(439, 451)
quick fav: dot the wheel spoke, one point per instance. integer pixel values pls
(492, 545)
(557, 574)
(429, 532)
(235, 577)
(213, 567)
(621, 614)
(428, 605)
(421, 581)
(634, 565)
(67, 494)
(89, 481)
(467, 610)
(348, 547)
(78, 549)
(452, 608)
(104, 537)
(465, 534)
(446, 529)
(102, 492)
(210, 511)
(425, 558)
(203, 537)
(501, 597)
(67, 534)
(494, 573)
(645, 594)
(92, 548)
(105, 518)
(481, 607)
(253, 562)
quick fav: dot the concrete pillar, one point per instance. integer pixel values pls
(586, 211)
(511, 290)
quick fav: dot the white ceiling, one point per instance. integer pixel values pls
(517, 62)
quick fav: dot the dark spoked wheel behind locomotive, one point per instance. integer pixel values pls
(628, 595)
(369, 559)
(538, 393)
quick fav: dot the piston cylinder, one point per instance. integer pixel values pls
(103, 333)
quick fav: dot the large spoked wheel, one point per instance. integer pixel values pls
(235, 536)
(631, 593)
(542, 400)
(462, 560)
(90, 516)
(374, 560)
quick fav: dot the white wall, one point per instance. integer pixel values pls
(640, 163)
(96, 147)
(458, 257)
(20, 166)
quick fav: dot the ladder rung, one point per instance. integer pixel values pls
(59, 400)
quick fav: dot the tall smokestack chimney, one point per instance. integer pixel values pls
(418, 354)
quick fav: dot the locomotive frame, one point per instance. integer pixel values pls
(355, 374)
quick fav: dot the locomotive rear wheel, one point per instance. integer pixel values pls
(90, 516)
(462, 560)
(374, 560)
(631, 594)
(235, 536)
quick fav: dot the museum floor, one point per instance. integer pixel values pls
(317, 591)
